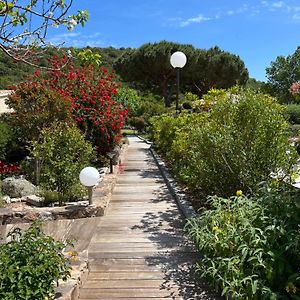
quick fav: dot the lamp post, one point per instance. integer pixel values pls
(89, 177)
(178, 61)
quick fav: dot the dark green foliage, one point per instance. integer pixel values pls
(150, 67)
(282, 73)
(293, 113)
(31, 264)
(6, 139)
(62, 153)
(12, 73)
(138, 122)
(250, 246)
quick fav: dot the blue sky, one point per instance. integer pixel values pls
(257, 31)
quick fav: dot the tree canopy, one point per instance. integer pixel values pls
(150, 66)
(282, 73)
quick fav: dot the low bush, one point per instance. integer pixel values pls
(31, 264)
(293, 113)
(62, 153)
(250, 246)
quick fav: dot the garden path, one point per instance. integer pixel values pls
(139, 249)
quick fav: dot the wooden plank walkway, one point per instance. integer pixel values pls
(139, 250)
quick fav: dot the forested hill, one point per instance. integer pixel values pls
(12, 72)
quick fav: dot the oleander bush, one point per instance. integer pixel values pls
(250, 245)
(92, 91)
(31, 264)
(234, 145)
(62, 153)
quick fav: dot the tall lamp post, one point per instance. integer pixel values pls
(178, 61)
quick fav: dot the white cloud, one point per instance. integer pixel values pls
(199, 19)
(230, 12)
(278, 4)
(77, 39)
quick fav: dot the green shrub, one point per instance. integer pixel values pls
(62, 153)
(138, 122)
(129, 98)
(293, 113)
(31, 264)
(6, 137)
(235, 145)
(250, 246)
(36, 107)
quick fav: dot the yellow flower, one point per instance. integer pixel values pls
(72, 255)
(215, 228)
(291, 288)
(239, 193)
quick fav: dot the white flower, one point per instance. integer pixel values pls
(73, 22)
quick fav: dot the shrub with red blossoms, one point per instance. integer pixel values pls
(295, 90)
(8, 169)
(91, 91)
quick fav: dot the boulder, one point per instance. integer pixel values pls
(34, 200)
(17, 187)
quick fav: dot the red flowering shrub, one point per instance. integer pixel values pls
(91, 90)
(8, 169)
(295, 90)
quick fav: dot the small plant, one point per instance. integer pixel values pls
(30, 264)
(250, 246)
(62, 153)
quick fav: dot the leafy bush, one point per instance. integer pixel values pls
(36, 107)
(129, 98)
(31, 264)
(138, 122)
(62, 153)
(250, 246)
(293, 113)
(235, 145)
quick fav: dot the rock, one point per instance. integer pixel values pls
(46, 216)
(31, 216)
(15, 200)
(6, 199)
(5, 213)
(34, 200)
(17, 187)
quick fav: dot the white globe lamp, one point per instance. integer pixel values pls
(89, 177)
(178, 60)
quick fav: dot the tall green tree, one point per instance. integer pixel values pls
(282, 73)
(149, 66)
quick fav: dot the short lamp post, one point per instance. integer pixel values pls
(178, 61)
(89, 177)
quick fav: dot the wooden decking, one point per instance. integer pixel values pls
(139, 249)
